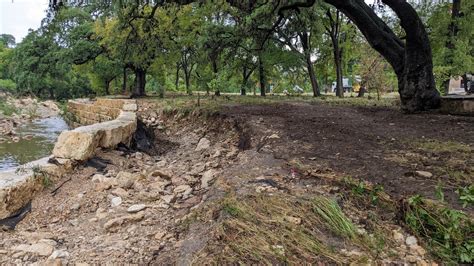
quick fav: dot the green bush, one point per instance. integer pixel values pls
(7, 85)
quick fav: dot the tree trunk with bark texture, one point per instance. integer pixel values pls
(305, 43)
(262, 78)
(411, 61)
(124, 84)
(140, 82)
(339, 77)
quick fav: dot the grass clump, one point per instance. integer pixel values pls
(448, 232)
(333, 217)
(437, 146)
(6, 108)
(263, 229)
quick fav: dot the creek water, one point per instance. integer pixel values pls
(44, 133)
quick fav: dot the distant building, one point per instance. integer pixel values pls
(456, 85)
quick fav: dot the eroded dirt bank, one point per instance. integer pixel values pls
(250, 185)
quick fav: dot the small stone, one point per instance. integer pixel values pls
(274, 136)
(75, 206)
(424, 174)
(182, 189)
(168, 198)
(136, 208)
(410, 241)
(293, 220)
(119, 192)
(98, 178)
(162, 174)
(203, 144)
(159, 235)
(59, 254)
(397, 236)
(49, 242)
(411, 258)
(126, 179)
(417, 250)
(116, 201)
(207, 178)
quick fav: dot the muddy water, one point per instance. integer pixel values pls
(44, 133)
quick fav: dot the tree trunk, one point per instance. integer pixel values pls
(411, 61)
(304, 36)
(361, 92)
(187, 78)
(261, 75)
(140, 82)
(215, 71)
(339, 76)
(124, 84)
(107, 86)
(176, 82)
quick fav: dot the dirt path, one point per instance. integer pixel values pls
(244, 185)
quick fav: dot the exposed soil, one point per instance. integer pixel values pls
(242, 186)
(365, 143)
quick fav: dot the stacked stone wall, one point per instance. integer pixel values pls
(85, 112)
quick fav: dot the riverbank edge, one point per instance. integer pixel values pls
(18, 186)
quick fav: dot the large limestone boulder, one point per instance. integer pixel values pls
(78, 144)
(19, 186)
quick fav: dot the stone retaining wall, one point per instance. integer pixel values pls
(462, 104)
(117, 124)
(87, 112)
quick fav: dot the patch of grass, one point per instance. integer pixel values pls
(333, 217)
(257, 230)
(437, 146)
(375, 194)
(6, 108)
(448, 232)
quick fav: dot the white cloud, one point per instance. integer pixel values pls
(17, 16)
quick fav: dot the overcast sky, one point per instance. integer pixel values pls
(17, 16)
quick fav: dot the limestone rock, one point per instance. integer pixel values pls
(203, 144)
(42, 249)
(78, 144)
(59, 254)
(116, 201)
(123, 220)
(136, 208)
(207, 178)
(424, 174)
(410, 241)
(185, 189)
(168, 198)
(126, 179)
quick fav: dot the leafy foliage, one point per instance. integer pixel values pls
(448, 232)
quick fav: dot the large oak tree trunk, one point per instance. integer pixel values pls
(140, 82)
(411, 61)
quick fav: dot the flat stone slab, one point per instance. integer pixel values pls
(80, 144)
(18, 186)
(458, 104)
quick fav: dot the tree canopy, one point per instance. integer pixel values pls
(136, 47)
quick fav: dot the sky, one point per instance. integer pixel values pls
(17, 16)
